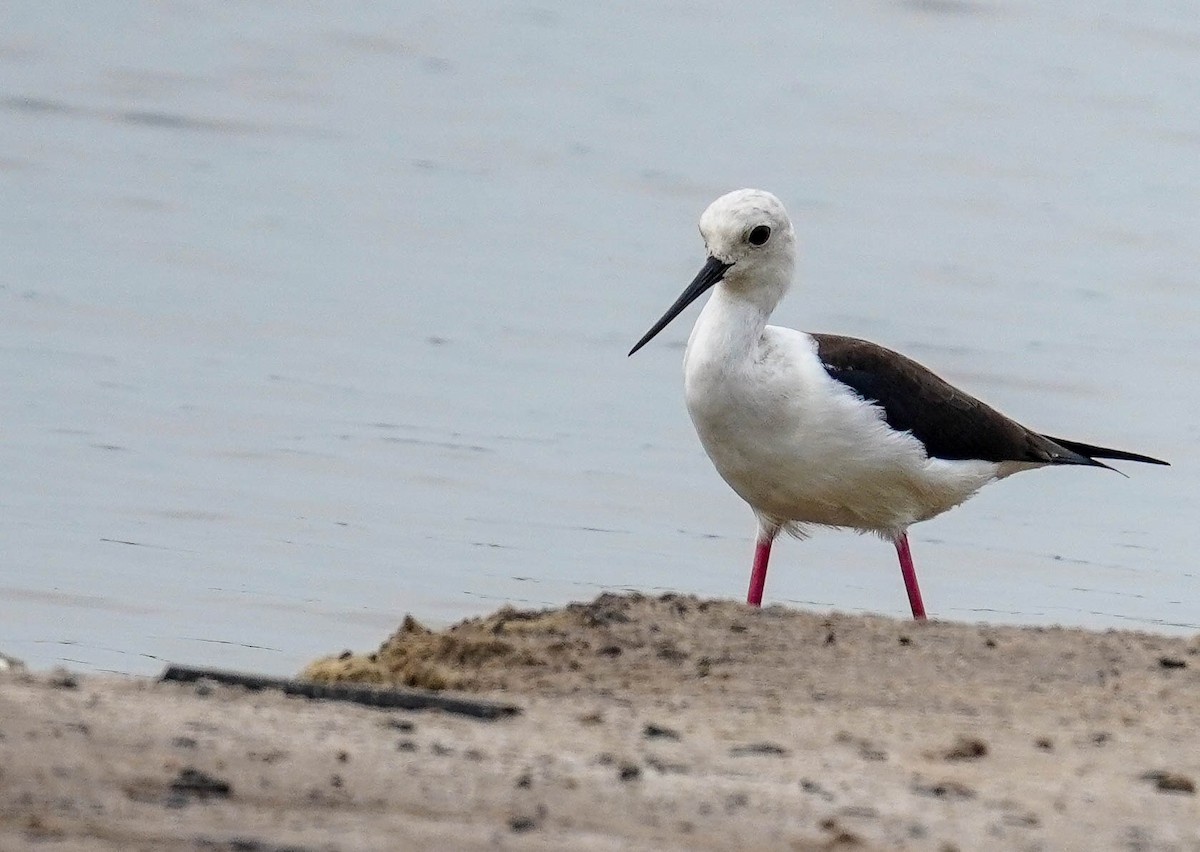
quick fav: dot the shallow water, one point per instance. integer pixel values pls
(309, 318)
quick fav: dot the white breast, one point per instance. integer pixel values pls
(802, 448)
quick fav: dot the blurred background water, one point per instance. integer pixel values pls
(313, 315)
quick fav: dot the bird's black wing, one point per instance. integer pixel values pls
(950, 423)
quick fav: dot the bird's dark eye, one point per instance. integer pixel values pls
(759, 234)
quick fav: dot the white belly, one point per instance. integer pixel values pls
(801, 448)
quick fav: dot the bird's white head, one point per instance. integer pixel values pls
(751, 248)
(748, 229)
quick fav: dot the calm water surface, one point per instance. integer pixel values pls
(313, 317)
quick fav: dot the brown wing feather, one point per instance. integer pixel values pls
(950, 423)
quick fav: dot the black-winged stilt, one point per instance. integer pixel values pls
(820, 429)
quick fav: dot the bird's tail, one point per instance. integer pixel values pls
(1091, 452)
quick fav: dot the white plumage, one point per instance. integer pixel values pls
(800, 447)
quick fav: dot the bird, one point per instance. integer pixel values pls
(823, 430)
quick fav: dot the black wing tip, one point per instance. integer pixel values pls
(1149, 460)
(1091, 452)
(1063, 457)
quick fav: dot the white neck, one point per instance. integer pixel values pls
(731, 324)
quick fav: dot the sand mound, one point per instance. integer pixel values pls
(541, 647)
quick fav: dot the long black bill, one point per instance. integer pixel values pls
(712, 272)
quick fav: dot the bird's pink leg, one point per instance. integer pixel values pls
(758, 573)
(910, 576)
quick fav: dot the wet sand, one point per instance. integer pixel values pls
(646, 723)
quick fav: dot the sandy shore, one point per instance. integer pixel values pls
(646, 723)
